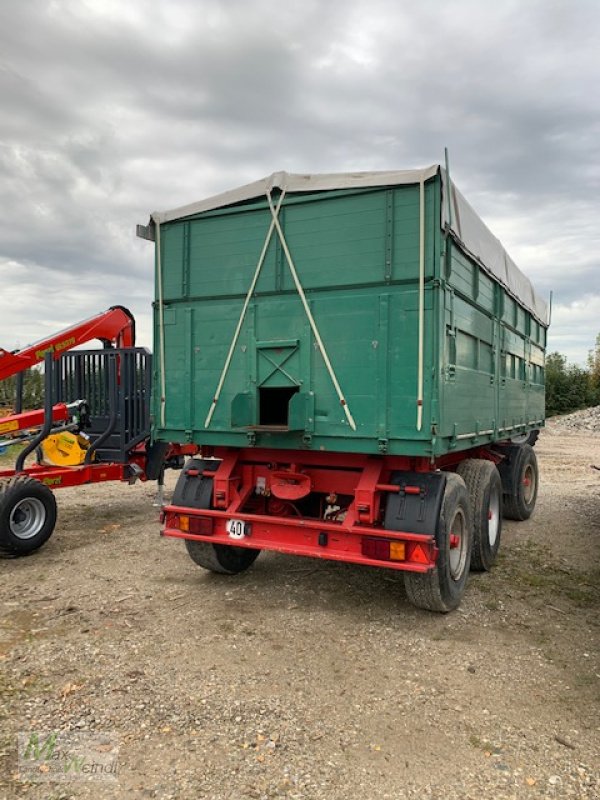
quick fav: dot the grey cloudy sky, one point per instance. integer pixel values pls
(110, 110)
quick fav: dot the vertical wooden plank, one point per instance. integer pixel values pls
(496, 370)
(251, 353)
(185, 272)
(306, 351)
(188, 358)
(476, 272)
(383, 367)
(389, 235)
(279, 255)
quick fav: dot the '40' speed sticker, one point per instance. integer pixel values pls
(237, 528)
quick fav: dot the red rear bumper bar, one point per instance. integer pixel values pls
(304, 537)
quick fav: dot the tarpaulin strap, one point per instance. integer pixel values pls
(313, 324)
(261, 260)
(161, 329)
(421, 334)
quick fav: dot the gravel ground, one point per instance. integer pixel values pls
(308, 679)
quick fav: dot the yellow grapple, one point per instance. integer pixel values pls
(64, 449)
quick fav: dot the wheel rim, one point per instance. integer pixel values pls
(458, 545)
(27, 518)
(529, 484)
(493, 516)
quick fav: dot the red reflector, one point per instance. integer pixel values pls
(418, 554)
(376, 548)
(193, 472)
(412, 489)
(202, 526)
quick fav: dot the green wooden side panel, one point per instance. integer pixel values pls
(277, 350)
(357, 258)
(493, 371)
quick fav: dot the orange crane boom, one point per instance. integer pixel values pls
(114, 327)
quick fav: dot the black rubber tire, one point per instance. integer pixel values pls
(441, 590)
(520, 480)
(25, 503)
(196, 492)
(222, 558)
(484, 486)
(526, 438)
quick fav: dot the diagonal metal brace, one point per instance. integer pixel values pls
(311, 319)
(275, 225)
(261, 261)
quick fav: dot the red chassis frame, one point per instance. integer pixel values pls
(362, 477)
(63, 477)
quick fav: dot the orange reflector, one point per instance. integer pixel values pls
(419, 555)
(184, 523)
(397, 551)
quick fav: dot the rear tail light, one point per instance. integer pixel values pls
(383, 549)
(419, 553)
(198, 526)
(394, 550)
(201, 526)
(397, 551)
(376, 548)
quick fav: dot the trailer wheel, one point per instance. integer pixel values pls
(442, 589)
(520, 479)
(223, 558)
(196, 492)
(484, 486)
(27, 515)
(530, 437)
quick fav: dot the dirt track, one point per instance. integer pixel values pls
(307, 679)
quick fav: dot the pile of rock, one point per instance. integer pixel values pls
(586, 420)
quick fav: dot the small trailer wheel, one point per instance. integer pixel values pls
(484, 486)
(520, 479)
(195, 491)
(222, 558)
(530, 437)
(27, 515)
(443, 588)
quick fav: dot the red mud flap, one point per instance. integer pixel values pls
(356, 544)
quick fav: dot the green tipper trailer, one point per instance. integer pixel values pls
(362, 365)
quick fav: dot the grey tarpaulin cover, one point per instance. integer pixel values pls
(473, 234)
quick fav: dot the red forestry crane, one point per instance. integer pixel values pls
(114, 328)
(115, 415)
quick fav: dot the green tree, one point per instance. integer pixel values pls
(33, 390)
(557, 384)
(569, 387)
(594, 367)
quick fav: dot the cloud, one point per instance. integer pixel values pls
(112, 110)
(575, 327)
